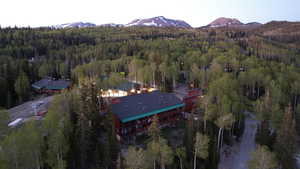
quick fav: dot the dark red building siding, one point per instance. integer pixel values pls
(140, 126)
(191, 99)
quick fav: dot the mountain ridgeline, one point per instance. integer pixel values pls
(161, 21)
(158, 21)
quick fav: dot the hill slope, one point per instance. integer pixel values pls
(221, 22)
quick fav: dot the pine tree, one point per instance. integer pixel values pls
(22, 87)
(297, 119)
(83, 128)
(189, 138)
(4, 120)
(88, 120)
(106, 156)
(112, 139)
(3, 91)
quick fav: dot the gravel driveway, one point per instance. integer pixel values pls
(240, 153)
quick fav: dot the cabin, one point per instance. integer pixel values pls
(50, 85)
(133, 114)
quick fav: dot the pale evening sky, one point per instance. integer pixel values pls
(197, 13)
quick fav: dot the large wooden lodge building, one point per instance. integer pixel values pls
(133, 114)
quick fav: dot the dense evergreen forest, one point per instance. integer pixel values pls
(257, 70)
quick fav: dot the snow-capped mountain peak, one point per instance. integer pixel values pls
(75, 25)
(159, 21)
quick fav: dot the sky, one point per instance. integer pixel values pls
(35, 13)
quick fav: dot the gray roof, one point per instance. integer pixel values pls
(134, 107)
(50, 84)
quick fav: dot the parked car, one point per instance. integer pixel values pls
(42, 113)
(16, 122)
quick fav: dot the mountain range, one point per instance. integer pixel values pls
(158, 21)
(161, 21)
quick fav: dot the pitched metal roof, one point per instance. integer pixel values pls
(134, 107)
(50, 84)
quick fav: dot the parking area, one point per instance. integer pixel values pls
(30, 108)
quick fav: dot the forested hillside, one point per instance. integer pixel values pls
(238, 69)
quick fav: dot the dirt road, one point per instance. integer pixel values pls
(240, 152)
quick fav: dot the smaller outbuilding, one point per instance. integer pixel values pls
(50, 85)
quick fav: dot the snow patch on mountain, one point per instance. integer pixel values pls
(74, 25)
(111, 25)
(159, 21)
